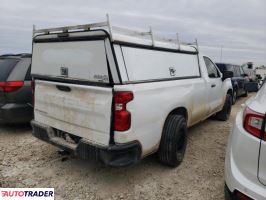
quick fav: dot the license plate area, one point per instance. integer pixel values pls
(67, 137)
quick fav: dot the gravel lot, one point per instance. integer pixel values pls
(28, 162)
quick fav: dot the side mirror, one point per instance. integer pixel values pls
(227, 74)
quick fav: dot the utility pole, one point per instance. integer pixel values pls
(221, 56)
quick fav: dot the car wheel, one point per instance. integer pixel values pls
(234, 97)
(174, 141)
(224, 114)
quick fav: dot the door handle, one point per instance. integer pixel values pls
(63, 88)
(213, 85)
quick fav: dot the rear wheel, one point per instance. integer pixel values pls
(224, 114)
(174, 141)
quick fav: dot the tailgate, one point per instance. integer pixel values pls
(80, 110)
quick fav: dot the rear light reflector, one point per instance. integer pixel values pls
(10, 86)
(241, 196)
(122, 117)
(253, 123)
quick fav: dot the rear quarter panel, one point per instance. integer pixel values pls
(152, 104)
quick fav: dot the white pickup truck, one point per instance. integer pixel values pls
(118, 95)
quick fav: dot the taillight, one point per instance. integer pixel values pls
(241, 196)
(122, 117)
(253, 123)
(10, 86)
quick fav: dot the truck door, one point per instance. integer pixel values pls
(214, 86)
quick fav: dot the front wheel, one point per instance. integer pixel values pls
(174, 141)
(224, 114)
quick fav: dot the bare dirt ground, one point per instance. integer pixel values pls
(28, 162)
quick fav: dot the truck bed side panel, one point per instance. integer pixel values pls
(152, 104)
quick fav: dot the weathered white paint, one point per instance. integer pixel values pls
(86, 110)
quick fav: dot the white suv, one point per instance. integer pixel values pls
(245, 162)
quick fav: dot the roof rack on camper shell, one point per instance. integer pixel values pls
(119, 34)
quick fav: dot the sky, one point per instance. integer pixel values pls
(231, 31)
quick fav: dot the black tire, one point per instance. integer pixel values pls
(234, 96)
(224, 114)
(174, 141)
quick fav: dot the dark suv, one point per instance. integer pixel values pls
(238, 80)
(15, 89)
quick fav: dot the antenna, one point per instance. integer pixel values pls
(152, 37)
(178, 41)
(197, 45)
(221, 56)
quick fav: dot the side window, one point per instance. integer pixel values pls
(211, 68)
(231, 68)
(234, 70)
(237, 69)
(241, 71)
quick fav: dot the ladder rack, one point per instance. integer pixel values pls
(69, 28)
(116, 33)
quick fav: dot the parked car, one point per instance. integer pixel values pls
(249, 71)
(238, 80)
(245, 162)
(15, 89)
(120, 96)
